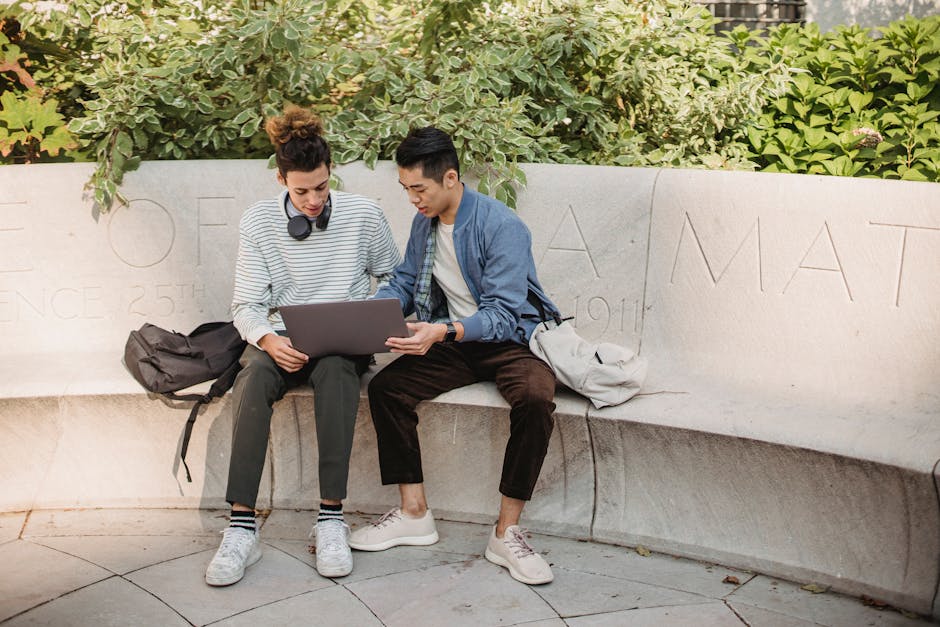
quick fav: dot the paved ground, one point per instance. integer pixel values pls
(145, 567)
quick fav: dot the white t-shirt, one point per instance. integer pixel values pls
(446, 271)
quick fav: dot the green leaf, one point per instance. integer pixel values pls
(891, 118)
(278, 39)
(243, 116)
(590, 104)
(771, 149)
(803, 85)
(858, 101)
(914, 174)
(44, 115)
(123, 144)
(15, 113)
(815, 137)
(253, 29)
(291, 32)
(918, 92)
(84, 18)
(841, 166)
(788, 162)
(522, 75)
(249, 129)
(756, 137)
(60, 139)
(819, 157)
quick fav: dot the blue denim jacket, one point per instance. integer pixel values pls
(494, 251)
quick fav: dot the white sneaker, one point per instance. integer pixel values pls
(393, 529)
(514, 552)
(334, 559)
(239, 550)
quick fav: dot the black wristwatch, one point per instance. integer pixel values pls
(451, 335)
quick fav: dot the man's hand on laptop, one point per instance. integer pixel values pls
(282, 352)
(423, 336)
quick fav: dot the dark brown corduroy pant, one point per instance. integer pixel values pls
(524, 380)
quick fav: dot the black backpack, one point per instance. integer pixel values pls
(166, 361)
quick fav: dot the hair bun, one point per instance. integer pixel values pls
(295, 123)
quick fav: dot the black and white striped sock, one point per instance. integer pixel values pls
(243, 520)
(330, 512)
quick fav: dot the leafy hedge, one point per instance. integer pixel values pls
(858, 105)
(31, 127)
(569, 81)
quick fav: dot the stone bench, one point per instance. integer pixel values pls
(83, 433)
(791, 323)
(792, 329)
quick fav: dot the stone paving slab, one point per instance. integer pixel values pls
(64, 565)
(470, 593)
(329, 606)
(578, 593)
(713, 614)
(758, 616)
(125, 554)
(11, 525)
(825, 609)
(125, 522)
(114, 601)
(43, 574)
(180, 583)
(368, 565)
(625, 563)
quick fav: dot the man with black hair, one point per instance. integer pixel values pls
(467, 274)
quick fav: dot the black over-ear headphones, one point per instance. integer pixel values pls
(299, 226)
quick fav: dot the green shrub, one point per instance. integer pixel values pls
(31, 127)
(174, 80)
(863, 103)
(574, 81)
(525, 80)
(605, 82)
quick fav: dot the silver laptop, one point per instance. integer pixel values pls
(350, 327)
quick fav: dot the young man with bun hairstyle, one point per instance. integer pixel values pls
(467, 274)
(310, 244)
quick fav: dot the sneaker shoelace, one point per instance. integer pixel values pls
(518, 544)
(388, 518)
(234, 543)
(331, 536)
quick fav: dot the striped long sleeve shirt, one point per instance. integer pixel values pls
(338, 263)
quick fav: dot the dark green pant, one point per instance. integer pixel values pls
(259, 385)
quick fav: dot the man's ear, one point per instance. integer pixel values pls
(451, 178)
(281, 179)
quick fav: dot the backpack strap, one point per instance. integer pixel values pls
(536, 302)
(218, 388)
(189, 431)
